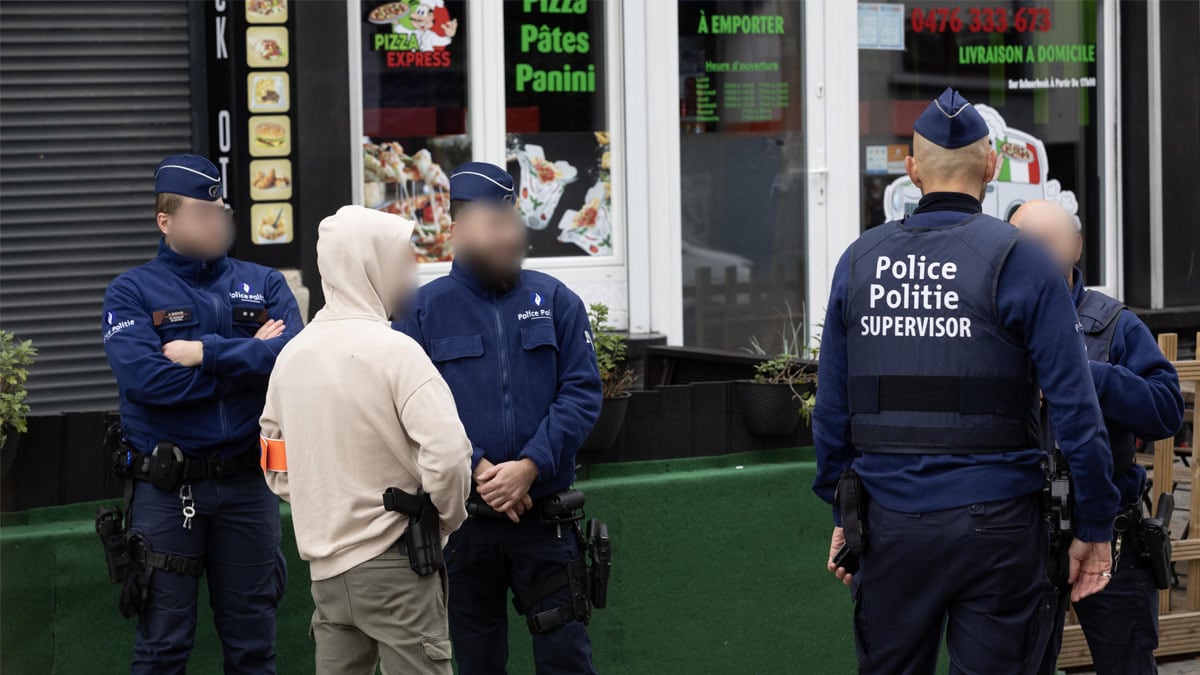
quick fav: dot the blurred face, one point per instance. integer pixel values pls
(490, 238)
(1050, 225)
(198, 229)
(406, 283)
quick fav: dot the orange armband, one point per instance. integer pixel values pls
(274, 454)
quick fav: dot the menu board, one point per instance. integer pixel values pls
(732, 66)
(251, 84)
(558, 143)
(414, 69)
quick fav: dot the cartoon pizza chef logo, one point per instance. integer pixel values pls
(421, 30)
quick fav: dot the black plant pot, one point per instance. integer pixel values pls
(608, 428)
(8, 454)
(769, 409)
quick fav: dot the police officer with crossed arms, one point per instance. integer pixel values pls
(940, 330)
(191, 337)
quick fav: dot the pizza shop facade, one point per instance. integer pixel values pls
(696, 165)
(700, 165)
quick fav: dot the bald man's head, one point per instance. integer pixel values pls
(1051, 225)
(968, 169)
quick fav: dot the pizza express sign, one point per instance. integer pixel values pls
(413, 33)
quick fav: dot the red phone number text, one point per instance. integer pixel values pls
(979, 19)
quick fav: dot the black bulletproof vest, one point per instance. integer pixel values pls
(931, 368)
(1098, 315)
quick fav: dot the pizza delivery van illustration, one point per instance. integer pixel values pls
(1022, 175)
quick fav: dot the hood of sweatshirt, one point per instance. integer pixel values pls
(366, 260)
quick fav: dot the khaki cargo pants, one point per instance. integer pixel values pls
(381, 611)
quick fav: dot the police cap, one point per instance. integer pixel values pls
(951, 121)
(188, 175)
(481, 182)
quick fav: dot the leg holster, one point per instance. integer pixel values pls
(128, 556)
(574, 577)
(136, 584)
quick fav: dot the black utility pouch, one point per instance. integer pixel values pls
(166, 466)
(562, 507)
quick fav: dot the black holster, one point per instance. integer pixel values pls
(131, 562)
(851, 499)
(423, 536)
(129, 559)
(600, 551)
(1058, 504)
(110, 527)
(1155, 535)
(586, 583)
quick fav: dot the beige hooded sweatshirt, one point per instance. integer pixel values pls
(359, 406)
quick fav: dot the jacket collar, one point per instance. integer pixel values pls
(190, 269)
(948, 201)
(462, 273)
(1077, 286)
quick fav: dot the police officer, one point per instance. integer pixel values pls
(514, 347)
(1140, 398)
(940, 329)
(191, 337)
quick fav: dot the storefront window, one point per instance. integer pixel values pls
(558, 139)
(742, 168)
(414, 69)
(1031, 68)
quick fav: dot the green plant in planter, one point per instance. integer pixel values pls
(15, 358)
(615, 374)
(789, 365)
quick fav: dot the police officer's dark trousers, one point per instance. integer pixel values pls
(1120, 623)
(236, 532)
(485, 558)
(977, 570)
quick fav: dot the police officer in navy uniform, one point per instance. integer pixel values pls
(191, 337)
(515, 348)
(940, 330)
(1140, 398)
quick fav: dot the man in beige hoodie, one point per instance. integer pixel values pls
(361, 408)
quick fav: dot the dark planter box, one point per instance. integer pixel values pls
(690, 420)
(60, 460)
(688, 408)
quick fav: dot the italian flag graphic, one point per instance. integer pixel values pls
(1016, 170)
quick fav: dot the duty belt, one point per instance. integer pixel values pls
(139, 466)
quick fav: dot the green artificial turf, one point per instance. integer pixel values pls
(718, 567)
